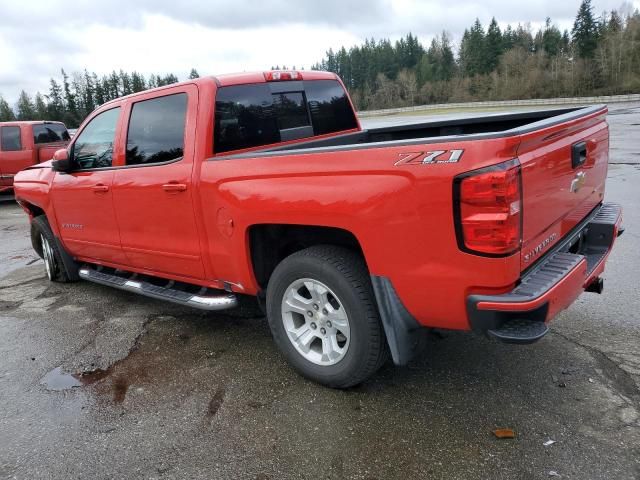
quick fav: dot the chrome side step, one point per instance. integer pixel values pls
(204, 299)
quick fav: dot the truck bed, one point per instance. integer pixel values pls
(444, 130)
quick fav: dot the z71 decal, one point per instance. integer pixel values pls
(428, 158)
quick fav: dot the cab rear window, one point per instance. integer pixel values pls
(262, 114)
(50, 132)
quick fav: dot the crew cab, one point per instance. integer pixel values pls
(355, 241)
(23, 144)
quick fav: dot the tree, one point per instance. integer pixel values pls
(137, 82)
(25, 107)
(40, 107)
(472, 50)
(55, 104)
(193, 74)
(585, 31)
(89, 97)
(551, 39)
(6, 113)
(69, 98)
(494, 45)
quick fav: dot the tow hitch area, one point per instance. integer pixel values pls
(596, 286)
(521, 315)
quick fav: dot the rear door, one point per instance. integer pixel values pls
(153, 191)
(83, 198)
(564, 168)
(15, 151)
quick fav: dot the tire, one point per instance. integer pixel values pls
(333, 284)
(59, 266)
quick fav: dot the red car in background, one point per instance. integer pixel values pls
(23, 144)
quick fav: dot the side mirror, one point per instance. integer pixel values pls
(61, 161)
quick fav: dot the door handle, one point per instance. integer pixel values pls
(174, 187)
(100, 188)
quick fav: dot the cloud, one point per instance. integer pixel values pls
(162, 36)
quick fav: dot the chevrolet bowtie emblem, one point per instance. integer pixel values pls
(578, 182)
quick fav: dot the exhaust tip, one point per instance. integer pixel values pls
(596, 286)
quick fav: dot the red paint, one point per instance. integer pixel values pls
(189, 220)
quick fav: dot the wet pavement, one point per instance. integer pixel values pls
(98, 383)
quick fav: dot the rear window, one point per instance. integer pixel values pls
(10, 139)
(50, 132)
(261, 114)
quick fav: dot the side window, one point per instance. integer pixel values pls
(94, 146)
(156, 130)
(244, 118)
(329, 106)
(10, 139)
(49, 133)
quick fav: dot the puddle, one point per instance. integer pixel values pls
(57, 379)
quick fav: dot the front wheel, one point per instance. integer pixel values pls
(323, 316)
(58, 266)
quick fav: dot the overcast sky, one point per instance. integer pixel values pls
(38, 37)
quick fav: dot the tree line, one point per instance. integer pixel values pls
(71, 99)
(599, 56)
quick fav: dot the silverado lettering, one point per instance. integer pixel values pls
(540, 247)
(265, 184)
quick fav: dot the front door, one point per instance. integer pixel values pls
(83, 198)
(153, 191)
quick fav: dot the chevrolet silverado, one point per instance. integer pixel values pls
(356, 242)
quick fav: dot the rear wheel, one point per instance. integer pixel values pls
(323, 316)
(54, 257)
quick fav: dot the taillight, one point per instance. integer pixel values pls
(278, 76)
(488, 209)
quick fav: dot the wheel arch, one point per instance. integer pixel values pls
(270, 243)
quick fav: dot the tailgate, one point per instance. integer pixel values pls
(564, 168)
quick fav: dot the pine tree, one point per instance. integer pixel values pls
(551, 39)
(585, 31)
(472, 50)
(25, 107)
(125, 82)
(55, 103)
(89, 100)
(40, 107)
(494, 45)
(137, 82)
(98, 92)
(69, 98)
(6, 113)
(193, 74)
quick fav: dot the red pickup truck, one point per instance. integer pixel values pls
(355, 241)
(23, 144)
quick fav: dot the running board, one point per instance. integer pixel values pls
(204, 299)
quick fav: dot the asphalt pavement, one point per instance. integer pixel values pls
(174, 393)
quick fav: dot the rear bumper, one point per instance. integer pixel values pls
(555, 281)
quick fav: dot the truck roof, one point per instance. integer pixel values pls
(28, 122)
(229, 79)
